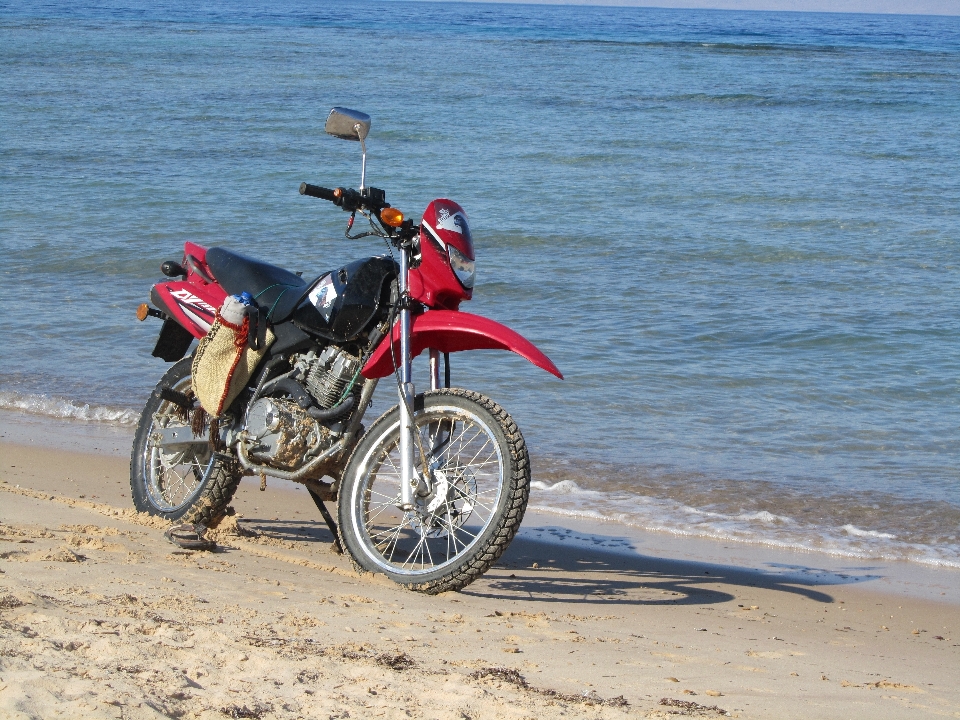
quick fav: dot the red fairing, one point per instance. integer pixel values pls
(449, 331)
(192, 302)
(192, 305)
(198, 251)
(433, 281)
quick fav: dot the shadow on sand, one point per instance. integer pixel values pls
(595, 569)
(609, 570)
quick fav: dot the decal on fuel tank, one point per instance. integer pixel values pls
(323, 296)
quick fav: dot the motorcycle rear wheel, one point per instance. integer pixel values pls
(467, 513)
(177, 485)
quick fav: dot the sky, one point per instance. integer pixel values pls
(915, 7)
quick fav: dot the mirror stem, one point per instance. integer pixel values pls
(363, 158)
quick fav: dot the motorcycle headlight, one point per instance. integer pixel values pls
(463, 267)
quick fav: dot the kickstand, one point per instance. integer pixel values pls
(327, 518)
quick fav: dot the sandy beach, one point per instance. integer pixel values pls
(101, 617)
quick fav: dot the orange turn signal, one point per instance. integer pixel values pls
(391, 217)
(144, 311)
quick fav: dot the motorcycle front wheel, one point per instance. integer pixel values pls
(469, 503)
(179, 484)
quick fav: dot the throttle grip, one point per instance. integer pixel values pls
(317, 192)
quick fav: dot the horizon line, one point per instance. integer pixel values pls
(928, 8)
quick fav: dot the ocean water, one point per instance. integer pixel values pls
(737, 234)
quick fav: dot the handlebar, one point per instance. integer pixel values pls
(372, 199)
(318, 192)
(369, 199)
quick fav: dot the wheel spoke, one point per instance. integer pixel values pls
(453, 533)
(390, 499)
(462, 444)
(389, 458)
(426, 545)
(473, 501)
(415, 548)
(396, 537)
(477, 454)
(383, 508)
(391, 531)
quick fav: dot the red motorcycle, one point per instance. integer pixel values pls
(434, 491)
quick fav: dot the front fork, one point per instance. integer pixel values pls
(409, 481)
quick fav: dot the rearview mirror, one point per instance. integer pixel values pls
(347, 124)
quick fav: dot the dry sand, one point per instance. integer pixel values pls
(101, 617)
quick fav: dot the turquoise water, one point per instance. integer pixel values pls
(735, 233)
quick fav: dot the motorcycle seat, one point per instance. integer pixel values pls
(276, 290)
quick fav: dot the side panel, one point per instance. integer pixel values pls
(192, 305)
(453, 331)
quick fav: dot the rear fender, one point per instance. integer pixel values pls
(453, 331)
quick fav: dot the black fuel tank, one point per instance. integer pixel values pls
(342, 303)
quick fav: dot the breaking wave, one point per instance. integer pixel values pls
(58, 407)
(664, 515)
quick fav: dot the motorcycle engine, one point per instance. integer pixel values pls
(281, 434)
(326, 376)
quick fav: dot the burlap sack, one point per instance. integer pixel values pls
(224, 363)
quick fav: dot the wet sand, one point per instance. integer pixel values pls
(101, 617)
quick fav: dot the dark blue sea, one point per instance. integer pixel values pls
(737, 233)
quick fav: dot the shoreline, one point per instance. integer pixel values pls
(902, 577)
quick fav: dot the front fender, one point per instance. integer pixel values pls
(452, 331)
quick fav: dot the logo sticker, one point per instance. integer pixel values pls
(185, 297)
(323, 295)
(455, 223)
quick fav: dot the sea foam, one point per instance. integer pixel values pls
(765, 528)
(59, 407)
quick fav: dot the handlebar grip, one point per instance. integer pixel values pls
(317, 192)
